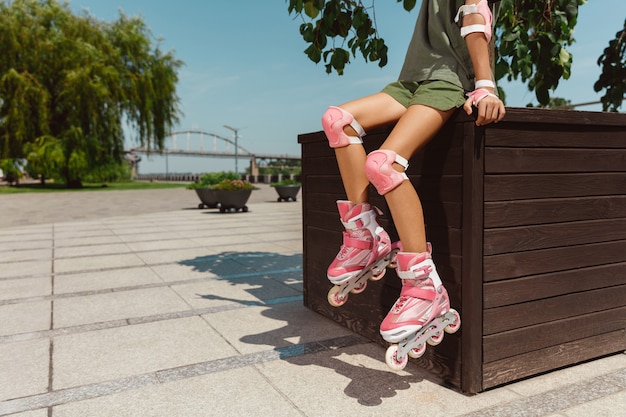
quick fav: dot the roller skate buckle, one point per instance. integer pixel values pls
(414, 346)
(338, 294)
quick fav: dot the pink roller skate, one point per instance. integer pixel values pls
(365, 253)
(422, 313)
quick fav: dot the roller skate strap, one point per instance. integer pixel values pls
(416, 292)
(397, 246)
(355, 243)
(362, 220)
(420, 270)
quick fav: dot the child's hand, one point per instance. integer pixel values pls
(490, 109)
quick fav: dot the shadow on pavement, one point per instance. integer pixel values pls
(260, 272)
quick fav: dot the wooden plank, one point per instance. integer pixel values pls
(445, 240)
(443, 213)
(559, 119)
(553, 357)
(513, 265)
(525, 238)
(323, 166)
(527, 186)
(437, 161)
(553, 210)
(531, 313)
(524, 135)
(324, 202)
(438, 362)
(324, 184)
(326, 252)
(349, 317)
(471, 300)
(532, 160)
(502, 293)
(505, 345)
(448, 188)
(449, 268)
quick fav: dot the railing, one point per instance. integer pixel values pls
(195, 143)
(189, 177)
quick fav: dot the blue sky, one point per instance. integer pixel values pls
(245, 67)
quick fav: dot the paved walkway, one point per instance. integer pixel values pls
(140, 304)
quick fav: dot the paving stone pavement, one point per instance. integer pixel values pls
(141, 304)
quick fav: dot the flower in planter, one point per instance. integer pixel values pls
(233, 185)
(205, 187)
(210, 179)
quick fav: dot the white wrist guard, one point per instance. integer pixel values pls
(484, 83)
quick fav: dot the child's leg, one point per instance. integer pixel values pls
(365, 242)
(369, 112)
(414, 129)
(423, 299)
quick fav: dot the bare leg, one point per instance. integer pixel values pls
(413, 130)
(372, 111)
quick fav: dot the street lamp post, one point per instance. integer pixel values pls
(236, 146)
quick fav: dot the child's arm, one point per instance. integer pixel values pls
(477, 32)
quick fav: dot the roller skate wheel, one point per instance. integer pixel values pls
(435, 339)
(391, 358)
(376, 277)
(453, 327)
(359, 288)
(418, 352)
(334, 299)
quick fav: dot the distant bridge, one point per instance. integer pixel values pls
(206, 144)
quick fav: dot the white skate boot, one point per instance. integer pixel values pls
(365, 253)
(422, 313)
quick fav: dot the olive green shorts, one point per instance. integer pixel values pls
(441, 95)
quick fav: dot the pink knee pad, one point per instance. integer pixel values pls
(333, 122)
(380, 172)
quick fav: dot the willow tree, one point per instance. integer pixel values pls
(69, 84)
(531, 37)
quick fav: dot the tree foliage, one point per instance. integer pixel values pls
(531, 37)
(69, 83)
(613, 76)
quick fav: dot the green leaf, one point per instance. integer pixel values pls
(295, 5)
(306, 30)
(310, 9)
(501, 69)
(564, 57)
(339, 58)
(359, 18)
(543, 96)
(313, 53)
(409, 5)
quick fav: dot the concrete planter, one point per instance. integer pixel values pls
(208, 197)
(233, 200)
(287, 192)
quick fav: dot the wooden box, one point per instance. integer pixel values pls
(528, 222)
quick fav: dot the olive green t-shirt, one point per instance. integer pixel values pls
(437, 50)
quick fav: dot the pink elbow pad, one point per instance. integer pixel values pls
(481, 8)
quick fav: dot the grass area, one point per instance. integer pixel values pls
(52, 187)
